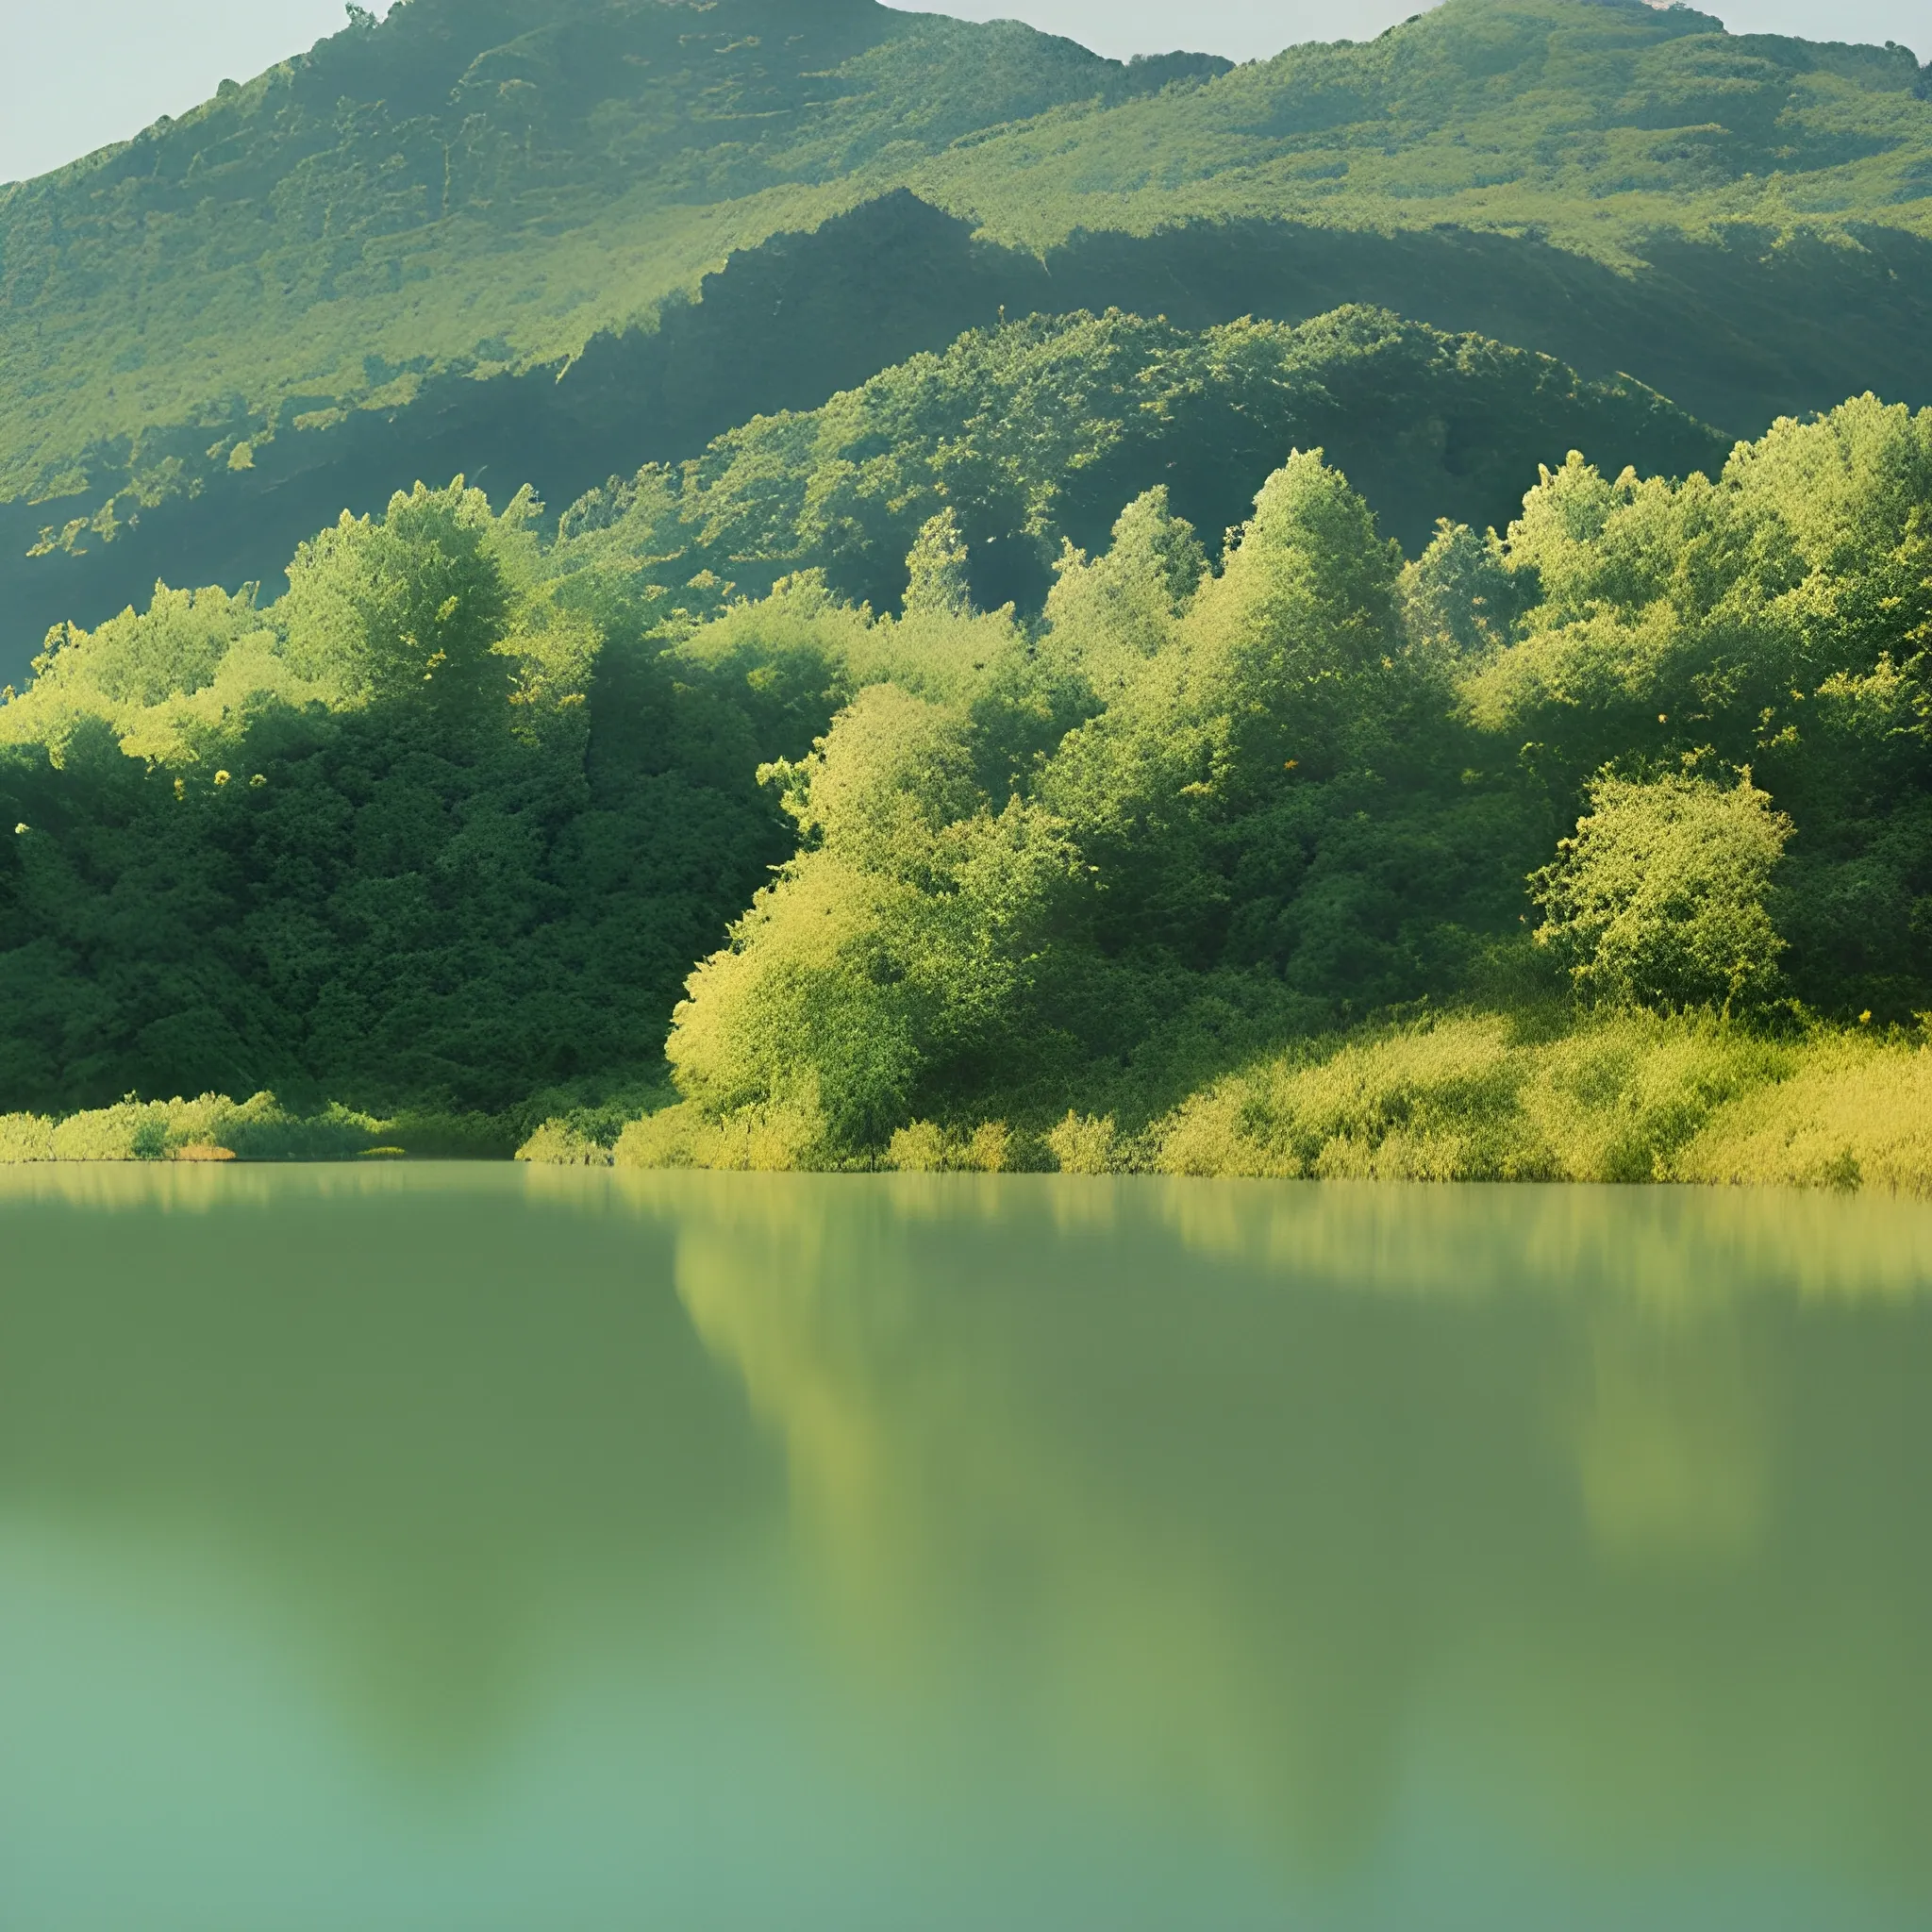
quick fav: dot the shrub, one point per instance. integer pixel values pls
(1434, 1101)
(1083, 1143)
(556, 1144)
(1660, 896)
(211, 1128)
(760, 1140)
(25, 1137)
(923, 1148)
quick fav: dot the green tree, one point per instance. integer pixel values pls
(1659, 895)
(936, 568)
(1107, 615)
(892, 960)
(415, 606)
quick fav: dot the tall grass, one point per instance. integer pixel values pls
(1480, 1097)
(1855, 1112)
(211, 1128)
(1531, 1095)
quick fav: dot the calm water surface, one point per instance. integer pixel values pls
(463, 1549)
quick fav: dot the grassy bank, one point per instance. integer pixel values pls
(1541, 1094)
(214, 1127)
(1633, 1096)
(1544, 1094)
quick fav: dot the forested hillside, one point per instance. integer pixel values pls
(1663, 747)
(480, 235)
(470, 186)
(1035, 433)
(441, 830)
(450, 822)
(996, 607)
(439, 827)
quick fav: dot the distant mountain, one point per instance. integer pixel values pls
(493, 235)
(471, 185)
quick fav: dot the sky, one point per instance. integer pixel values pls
(81, 74)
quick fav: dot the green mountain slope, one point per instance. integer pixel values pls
(376, 259)
(466, 185)
(1597, 123)
(1034, 434)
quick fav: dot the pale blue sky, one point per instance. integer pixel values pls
(77, 75)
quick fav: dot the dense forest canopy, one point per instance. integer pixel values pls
(466, 189)
(1035, 433)
(1313, 782)
(447, 825)
(650, 833)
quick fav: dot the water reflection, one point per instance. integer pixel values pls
(947, 1550)
(1536, 1442)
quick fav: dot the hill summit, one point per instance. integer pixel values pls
(545, 240)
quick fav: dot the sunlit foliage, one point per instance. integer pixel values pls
(447, 825)
(1314, 783)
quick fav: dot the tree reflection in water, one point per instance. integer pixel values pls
(1292, 1512)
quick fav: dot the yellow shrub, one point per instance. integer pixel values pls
(1084, 1144)
(925, 1147)
(25, 1137)
(211, 1127)
(556, 1144)
(919, 1148)
(766, 1140)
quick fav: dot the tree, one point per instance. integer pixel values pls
(415, 606)
(894, 956)
(936, 564)
(1107, 614)
(1660, 896)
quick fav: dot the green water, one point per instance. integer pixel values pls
(448, 1549)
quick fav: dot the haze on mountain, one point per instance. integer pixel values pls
(98, 70)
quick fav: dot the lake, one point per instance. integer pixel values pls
(465, 1548)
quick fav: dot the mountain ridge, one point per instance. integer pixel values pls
(461, 237)
(374, 156)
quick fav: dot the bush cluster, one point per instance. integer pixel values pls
(1055, 884)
